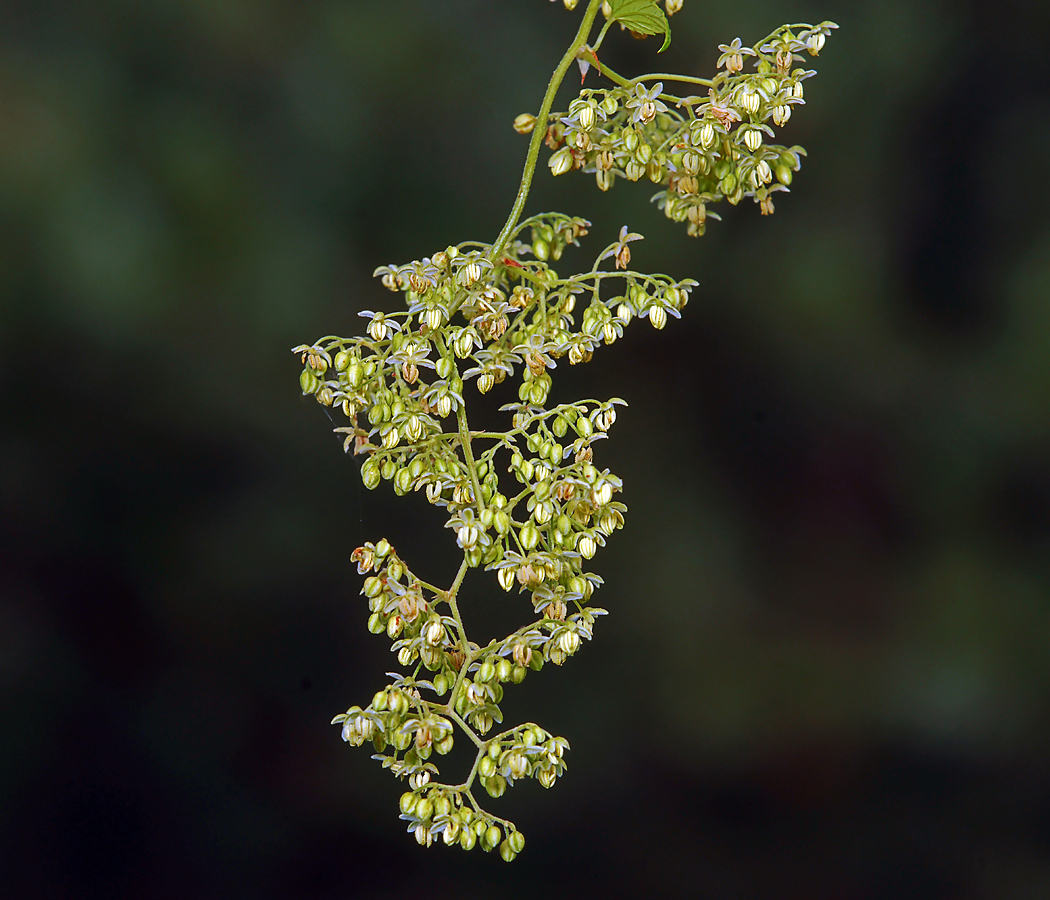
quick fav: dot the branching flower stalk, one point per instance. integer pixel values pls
(529, 503)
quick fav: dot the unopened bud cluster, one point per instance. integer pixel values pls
(699, 149)
(527, 502)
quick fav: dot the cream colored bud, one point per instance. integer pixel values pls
(814, 43)
(505, 577)
(587, 546)
(522, 654)
(763, 173)
(434, 319)
(707, 135)
(603, 493)
(624, 313)
(405, 656)
(569, 642)
(781, 114)
(588, 117)
(467, 536)
(657, 316)
(472, 273)
(391, 438)
(634, 170)
(570, 5)
(418, 779)
(524, 123)
(543, 512)
(753, 139)
(443, 406)
(435, 634)
(517, 766)
(749, 100)
(485, 382)
(797, 91)
(673, 6)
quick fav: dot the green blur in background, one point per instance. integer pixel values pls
(827, 669)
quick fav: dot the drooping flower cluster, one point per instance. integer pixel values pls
(527, 501)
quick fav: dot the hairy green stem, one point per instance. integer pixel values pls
(541, 127)
(468, 456)
(450, 595)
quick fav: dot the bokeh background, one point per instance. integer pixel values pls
(827, 670)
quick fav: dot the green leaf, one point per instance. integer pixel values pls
(642, 16)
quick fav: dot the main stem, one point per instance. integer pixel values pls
(541, 127)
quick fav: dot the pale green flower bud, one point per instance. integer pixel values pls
(634, 170)
(529, 535)
(657, 316)
(492, 835)
(561, 161)
(408, 802)
(486, 381)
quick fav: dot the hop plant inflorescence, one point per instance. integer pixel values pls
(528, 503)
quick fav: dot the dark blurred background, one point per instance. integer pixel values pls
(825, 675)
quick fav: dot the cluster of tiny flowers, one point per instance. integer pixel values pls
(699, 149)
(528, 502)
